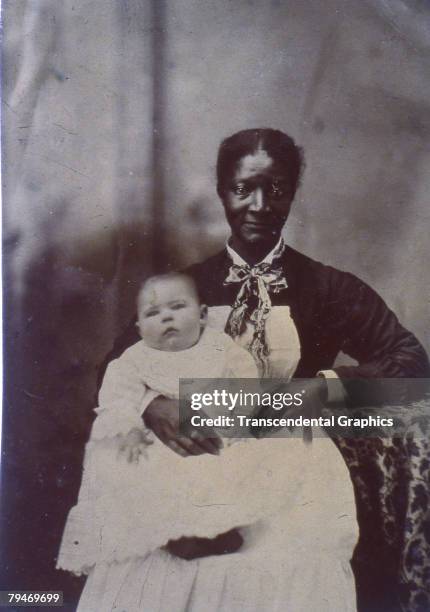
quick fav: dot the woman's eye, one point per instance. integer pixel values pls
(240, 190)
(276, 190)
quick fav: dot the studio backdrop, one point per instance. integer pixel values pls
(112, 114)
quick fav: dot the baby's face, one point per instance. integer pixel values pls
(170, 317)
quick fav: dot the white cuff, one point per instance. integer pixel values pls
(336, 393)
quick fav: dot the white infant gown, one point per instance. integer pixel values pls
(295, 500)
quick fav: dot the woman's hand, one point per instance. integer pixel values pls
(162, 417)
(314, 397)
(194, 548)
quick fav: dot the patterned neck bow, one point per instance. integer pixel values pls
(253, 303)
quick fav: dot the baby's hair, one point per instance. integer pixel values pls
(167, 276)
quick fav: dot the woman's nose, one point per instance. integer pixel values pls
(258, 200)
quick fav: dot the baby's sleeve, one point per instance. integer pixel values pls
(123, 398)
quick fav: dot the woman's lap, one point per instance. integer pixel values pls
(249, 581)
(297, 560)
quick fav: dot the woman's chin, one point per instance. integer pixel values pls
(260, 237)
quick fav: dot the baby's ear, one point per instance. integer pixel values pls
(203, 314)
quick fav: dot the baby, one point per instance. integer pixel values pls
(176, 343)
(172, 319)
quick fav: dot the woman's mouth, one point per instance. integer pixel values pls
(258, 225)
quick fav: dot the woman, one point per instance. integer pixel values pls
(258, 172)
(294, 315)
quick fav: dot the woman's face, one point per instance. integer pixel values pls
(257, 200)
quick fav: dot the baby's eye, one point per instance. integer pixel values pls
(151, 313)
(178, 306)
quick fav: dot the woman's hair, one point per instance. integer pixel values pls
(278, 145)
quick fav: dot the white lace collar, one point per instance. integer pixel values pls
(273, 254)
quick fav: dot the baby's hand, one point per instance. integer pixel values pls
(134, 444)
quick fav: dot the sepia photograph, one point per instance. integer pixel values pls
(208, 202)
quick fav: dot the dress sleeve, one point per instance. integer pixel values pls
(123, 398)
(371, 334)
